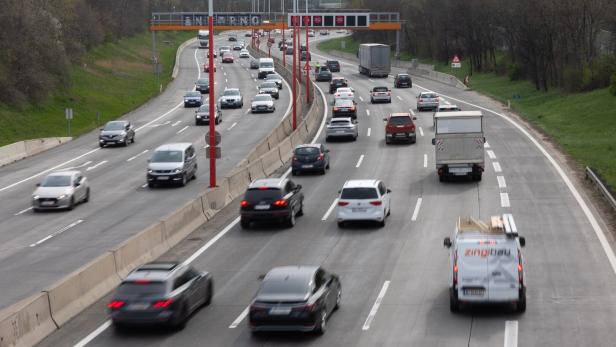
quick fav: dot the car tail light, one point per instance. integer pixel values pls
(142, 281)
(352, 108)
(335, 108)
(116, 304)
(343, 203)
(388, 93)
(308, 307)
(413, 128)
(163, 303)
(281, 203)
(244, 203)
(455, 270)
(520, 269)
(376, 203)
(294, 158)
(321, 156)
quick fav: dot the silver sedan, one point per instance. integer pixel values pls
(61, 190)
(341, 128)
(262, 103)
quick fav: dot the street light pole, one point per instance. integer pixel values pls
(212, 117)
(294, 24)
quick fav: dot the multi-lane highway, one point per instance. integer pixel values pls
(40, 248)
(394, 279)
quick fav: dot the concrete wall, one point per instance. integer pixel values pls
(24, 149)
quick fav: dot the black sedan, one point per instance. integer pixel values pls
(323, 74)
(337, 82)
(272, 199)
(295, 298)
(160, 293)
(310, 157)
(202, 85)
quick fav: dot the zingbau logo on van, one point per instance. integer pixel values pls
(487, 252)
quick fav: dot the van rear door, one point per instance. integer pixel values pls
(503, 271)
(473, 279)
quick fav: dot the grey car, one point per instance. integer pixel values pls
(380, 94)
(323, 75)
(341, 128)
(274, 77)
(262, 103)
(202, 115)
(269, 88)
(173, 163)
(118, 132)
(61, 190)
(193, 99)
(202, 85)
(427, 100)
(254, 64)
(231, 97)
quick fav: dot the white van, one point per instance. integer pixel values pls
(266, 66)
(486, 263)
(203, 36)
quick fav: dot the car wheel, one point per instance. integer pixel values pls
(244, 224)
(293, 172)
(387, 141)
(197, 123)
(388, 212)
(184, 181)
(338, 299)
(151, 185)
(327, 167)
(382, 223)
(341, 225)
(210, 293)
(71, 204)
(521, 304)
(454, 304)
(291, 220)
(301, 209)
(324, 171)
(322, 327)
(371, 100)
(87, 197)
(442, 178)
(326, 138)
(180, 321)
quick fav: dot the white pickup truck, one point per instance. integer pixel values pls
(459, 144)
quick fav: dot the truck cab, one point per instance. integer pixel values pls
(486, 263)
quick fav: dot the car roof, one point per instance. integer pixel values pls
(361, 184)
(65, 173)
(308, 145)
(338, 78)
(268, 182)
(298, 273)
(460, 114)
(424, 93)
(232, 89)
(399, 114)
(154, 271)
(179, 146)
(447, 106)
(403, 74)
(118, 121)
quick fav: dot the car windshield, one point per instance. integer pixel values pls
(203, 81)
(403, 77)
(448, 109)
(256, 195)
(268, 85)
(114, 126)
(227, 55)
(332, 62)
(286, 286)
(343, 103)
(193, 94)
(225, 48)
(359, 193)
(230, 92)
(267, 65)
(262, 98)
(149, 288)
(167, 157)
(400, 120)
(344, 90)
(307, 150)
(204, 108)
(428, 96)
(340, 122)
(379, 89)
(324, 69)
(56, 181)
(272, 76)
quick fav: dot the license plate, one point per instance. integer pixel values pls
(307, 166)
(47, 203)
(473, 291)
(262, 207)
(358, 209)
(460, 169)
(401, 135)
(339, 131)
(344, 109)
(138, 306)
(162, 178)
(280, 310)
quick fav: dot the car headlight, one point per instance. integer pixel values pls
(35, 197)
(150, 171)
(61, 196)
(177, 170)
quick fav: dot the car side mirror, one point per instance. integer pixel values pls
(101, 129)
(384, 119)
(327, 151)
(261, 277)
(388, 190)
(433, 142)
(298, 187)
(339, 192)
(414, 118)
(38, 184)
(484, 140)
(522, 240)
(447, 242)
(77, 184)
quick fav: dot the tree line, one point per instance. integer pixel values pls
(552, 43)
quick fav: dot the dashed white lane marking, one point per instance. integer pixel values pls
(416, 210)
(447, 102)
(412, 112)
(93, 334)
(330, 209)
(224, 73)
(486, 145)
(160, 117)
(501, 182)
(176, 123)
(360, 98)
(145, 185)
(497, 167)
(23, 211)
(247, 110)
(511, 333)
(369, 130)
(77, 222)
(369, 79)
(491, 154)
(368, 112)
(182, 130)
(79, 166)
(421, 131)
(425, 160)
(504, 197)
(137, 155)
(361, 158)
(376, 306)
(97, 165)
(232, 125)
(227, 81)
(399, 98)
(239, 318)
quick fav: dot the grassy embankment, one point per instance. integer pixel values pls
(113, 79)
(584, 124)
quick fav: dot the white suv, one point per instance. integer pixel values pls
(363, 200)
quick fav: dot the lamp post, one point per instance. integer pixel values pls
(212, 117)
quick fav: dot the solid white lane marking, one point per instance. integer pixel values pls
(511, 333)
(368, 112)
(497, 167)
(421, 131)
(399, 98)
(330, 209)
(97, 165)
(360, 98)
(486, 145)
(361, 158)
(176, 123)
(376, 305)
(369, 130)
(491, 154)
(239, 318)
(247, 110)
(145, 185)
(501, 182)
(93, 334)
(232, 125)
(412, 112)
(77, 222)
(181, 130)
(504, 197)
(369, 79)
(23, 211)
(425, 160)
(416, 211)
(48, 170)
(137, 155)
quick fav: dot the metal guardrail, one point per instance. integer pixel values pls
(591, 175)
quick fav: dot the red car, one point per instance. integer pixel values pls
(227, 57)
(206, 67)
(400, 126)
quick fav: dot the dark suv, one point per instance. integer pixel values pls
(400, 126)
(337, 82)
(160, 292)
(403, 80)
(118, 132)
(272, 199)
(333, 65)
(310, 157)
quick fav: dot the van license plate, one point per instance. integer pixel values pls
(162, 178)
(473, 291)
(460, 170)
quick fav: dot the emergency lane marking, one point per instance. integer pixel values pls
(376, 305)
(360, 98)
(399, 98)
(224, 73)
(93, 334)
(491, 154)
(501, 182)
(247, 110)
(504, 197)
(416, 211)
(232, 125)
(329, 210)
(361, 158)
(368, 112)
(425, 160)
(369, 130)
(511, 333)
(421, 131)
(23, 211)
(137, 155)
(97, 165)
(486, 145)
(497, 167)
(239, 318)
(176, 123)
(77, 222)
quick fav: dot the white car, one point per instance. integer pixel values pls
(486, 263)
(344, 93)
(363, 200)
(231, 97)
(244, 53)
(61, 190)
(311, 33)
(224, 49)
(262, 103)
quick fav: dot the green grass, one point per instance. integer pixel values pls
(113, 79)
(351, 46)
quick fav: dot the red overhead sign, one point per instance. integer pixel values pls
(331, 20)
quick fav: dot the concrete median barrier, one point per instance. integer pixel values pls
(296, 139)
(12, 153)
(24, 149)
(272, 139)
(217, 197)
(182, 222)
(82, 288)
(286, 150)
(271, 162)
(238, 182)
(147, 245)
(27, 322)
(256, 171)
